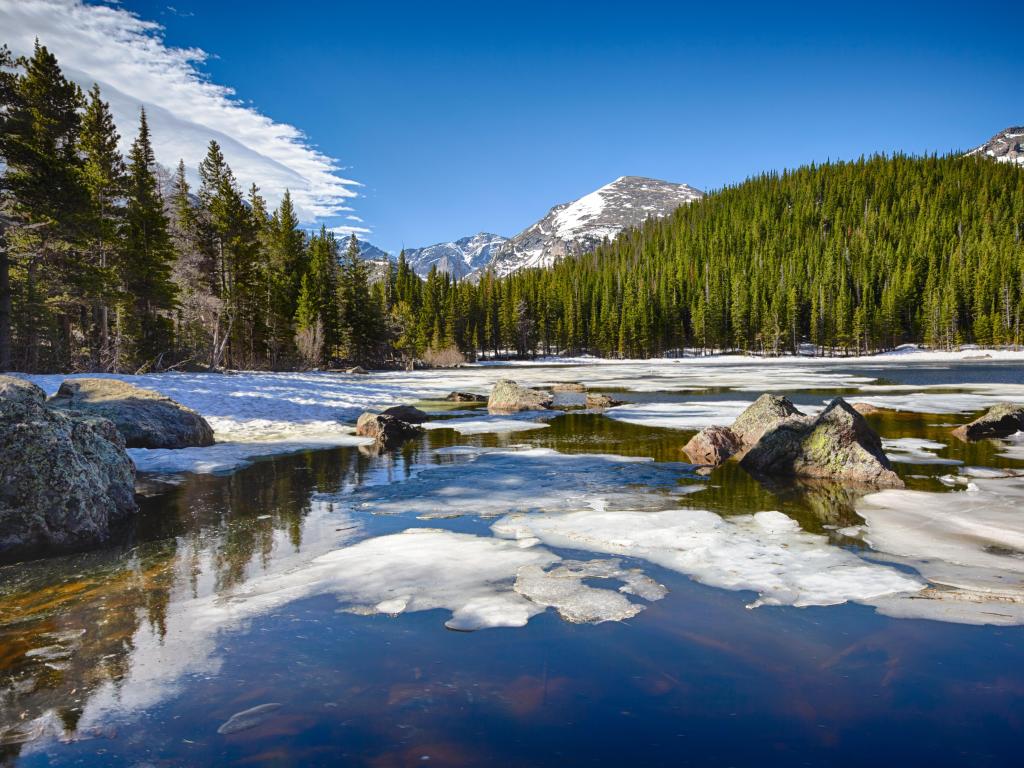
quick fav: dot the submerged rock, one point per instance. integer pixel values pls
(509, 397)
(837, 444)
(712, 446)
(465, 397)
(249, 718)
(388, 431)
(569, 386)
(65, 478)
(145, 418)
(407, 413)
(866, 409)
(20, 390)
(1000, 420)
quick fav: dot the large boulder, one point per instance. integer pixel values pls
(20, 390)
(65, 479)
(145, 418)
(407, 413)
(509, 397)
(715, 444)
(712, 446)
(763, 414)
(838, 444)
(1000, 420)
(388, 431)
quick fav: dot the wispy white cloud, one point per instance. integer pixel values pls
(134, 67)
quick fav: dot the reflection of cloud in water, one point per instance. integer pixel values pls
(539, 479)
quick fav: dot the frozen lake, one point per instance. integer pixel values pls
(610, 606)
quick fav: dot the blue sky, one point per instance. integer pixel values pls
(460, 117)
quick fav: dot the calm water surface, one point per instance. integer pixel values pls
(104, 659)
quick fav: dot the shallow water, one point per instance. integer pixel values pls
(234, 592)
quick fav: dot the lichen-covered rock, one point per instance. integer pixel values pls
(509, 397)
(569, 386)
(145, 418)
(599, 400)
(837, 444)
(763, 414)
(712, 446)
(407, 413)
(465, 397)
(20, 390)
(65, 479)
(1000, 420)
(388, 431)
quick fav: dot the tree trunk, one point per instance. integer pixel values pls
(5, 308)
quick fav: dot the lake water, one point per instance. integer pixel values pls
(626, 611)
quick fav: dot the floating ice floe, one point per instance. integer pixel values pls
(483, 581)
(493, 424)
(690, 415)
(914, 450)
(933, 402)
(766, 553)
(498, 482)
(970, 543)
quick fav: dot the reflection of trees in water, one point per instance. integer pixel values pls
(67, 625)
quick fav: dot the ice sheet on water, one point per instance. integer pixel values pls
(914, 450)
(483, 581)
(767, 552)
(689, 415)
(935, 402)
(486, 424)
(498, 482)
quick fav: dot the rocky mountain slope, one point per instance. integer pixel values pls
(569, 228)
(583, 224)
(1006, 146)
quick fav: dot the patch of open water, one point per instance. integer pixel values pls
(323, 581)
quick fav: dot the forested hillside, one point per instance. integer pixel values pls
(110, 263)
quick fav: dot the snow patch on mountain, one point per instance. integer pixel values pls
(458, 257)
(1005, 147)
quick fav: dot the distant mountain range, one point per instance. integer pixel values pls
(1006, 146)
(569, 228)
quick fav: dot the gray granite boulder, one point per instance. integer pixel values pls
(145, 418)
(65, 479)
(509, 397)
(388, 431)
(407, 413)
(838, 444)
(20, 390)
(715, 444)
(465, 397)
(1000, 420)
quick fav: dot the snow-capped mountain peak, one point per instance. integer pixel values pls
(1006, 146)
(583, 224)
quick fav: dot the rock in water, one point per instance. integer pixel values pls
(1001, 420)
(388, 431)
(570, 386)
(407, 413)
(65, 479)
(763, 414)
(249, 718)
(509, 397)
(712, 445)
(715, 444)
(598, 400)
(358, 369)
(837, 444)
(146, 418)
(465, 397)
(20, 390)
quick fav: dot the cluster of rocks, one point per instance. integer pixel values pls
(65, 477)
(393, 426)
(773, 438)
(510, 397)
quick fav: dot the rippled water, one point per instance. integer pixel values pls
(276, 585)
